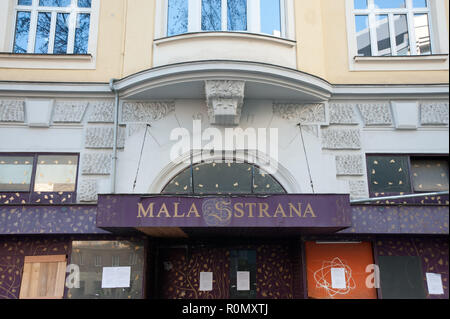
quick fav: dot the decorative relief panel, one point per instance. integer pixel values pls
(69, 112)
(358, 189)
(103, 137)
(302, 113)
(349, 165)
(336, 139)
(87, 190)
(12, 111)
(225, 100)
(101, 112)
(376, 113)
(342, 113)
(434, 113)
(146, 112)
(96, 163)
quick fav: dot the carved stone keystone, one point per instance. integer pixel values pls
(225, 99)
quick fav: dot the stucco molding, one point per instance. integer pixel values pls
(376, 114)
(341, 139)
(146, 112)
(87, 190)
(96, 163)
(343, 113)
(103, 137)
(312, 113)
(224, 99)
(434, 113)
(349, 165)
(101, 112)
(12, 111)
(69, 111)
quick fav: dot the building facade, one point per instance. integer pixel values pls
(224, 149)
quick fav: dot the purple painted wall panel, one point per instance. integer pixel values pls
(75, 219)
(371, 219)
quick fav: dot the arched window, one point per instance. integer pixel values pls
(223, 178)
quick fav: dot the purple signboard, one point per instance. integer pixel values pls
(281, 211)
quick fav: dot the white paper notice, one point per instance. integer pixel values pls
(116, 277)
(338, 278)
(243, 280)
(206, 281)
(434, 282)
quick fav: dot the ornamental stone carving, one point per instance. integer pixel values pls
(349, 165)
(434, 113)
(341, 139)
(69, 112)
(96, 164)
(146, 112)
(301, 113)
(358, 189)
(12, 111)
(224, 99)
(101, 112)
(376, 113)
(103, 137)
(87, 191)
(342, 113)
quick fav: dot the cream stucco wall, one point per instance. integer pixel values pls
(125, 46)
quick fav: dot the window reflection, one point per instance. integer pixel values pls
(92, 256)
(15, 173)
(84, 3)
(422, 31)
(24, 2)
(22, 32)
(177, 18)
(360, 4)
(211, 15)
(363, 35)
(419, 3)
(383, 35)
(82, 33)
(270, 17)
(56, 173)
(42, 32)
(61, 33)
(54, 3)
(429, 175)
(389, 4)
(401, 34)
(237, 15)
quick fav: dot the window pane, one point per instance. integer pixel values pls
(271, 17)
(360, 4)
(54, 3)
(56, 173)
(401, 34)
(82, 34)
(181, 184)
(388, 174)
(422, 30)
(223, 178)
(237, 15)
(24, 2)
(363, 35)
(419, 3)
(15, 173)
(61, 33)
(84, 3)
(22, 31)
(92, 256)
(177, 17)
(383, 35)
(211, 15)
(265, 184)
(429, 175)
(42, 32)
(387, 4)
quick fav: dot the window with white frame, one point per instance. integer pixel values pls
(392, 27)
(52, 26)
(254, 16)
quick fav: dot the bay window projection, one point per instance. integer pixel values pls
(392, 27)
(260, 16)
(52, 26)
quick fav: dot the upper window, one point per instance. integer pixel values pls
(260, 16)
(392, 27)
(52, 26)
(38, 178)
(223, 178)
(396, 174)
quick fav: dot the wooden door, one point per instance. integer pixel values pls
(43, 277)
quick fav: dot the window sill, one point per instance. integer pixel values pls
(46, 61)
(400, 63)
